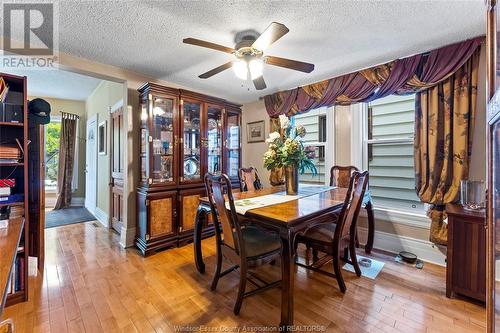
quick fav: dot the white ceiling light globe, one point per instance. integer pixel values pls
(240, 69)
(256, 66)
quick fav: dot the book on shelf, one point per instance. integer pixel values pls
(4, 89)
(17, 279)
(4, 191)
(16, 211)
(12, 199)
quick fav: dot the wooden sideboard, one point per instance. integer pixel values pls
(466, 253)
(183, 136)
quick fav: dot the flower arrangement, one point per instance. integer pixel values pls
(286, 148)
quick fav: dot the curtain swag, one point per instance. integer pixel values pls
(401, 76)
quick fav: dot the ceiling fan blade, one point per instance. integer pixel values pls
(216, 70)
(259, 83)
(291, 64)
(209, 45)
(272, 33)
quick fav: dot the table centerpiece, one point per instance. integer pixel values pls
(286, 150)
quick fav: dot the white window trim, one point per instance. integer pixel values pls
(329, 144)
(359, 158)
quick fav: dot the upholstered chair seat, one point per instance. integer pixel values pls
(260, 243)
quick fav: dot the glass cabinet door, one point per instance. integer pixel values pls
(191, 139)
(162, 139)
(233, 144)
(214, 139)
(144, 140)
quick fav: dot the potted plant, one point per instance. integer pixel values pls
(286, 150)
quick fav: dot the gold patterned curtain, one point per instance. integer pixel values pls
(444, 123)
(277, 176)
(66, 160)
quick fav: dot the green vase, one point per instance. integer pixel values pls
(292, 180)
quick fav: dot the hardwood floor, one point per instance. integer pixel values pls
(92, 285)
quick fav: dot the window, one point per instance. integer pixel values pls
(52, 134)
(316, 143)
(389, 142)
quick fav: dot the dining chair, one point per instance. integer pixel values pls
(338, 238)
(340, 176)
(249, 179)
(245, 246)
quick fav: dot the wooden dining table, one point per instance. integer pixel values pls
(287, 219)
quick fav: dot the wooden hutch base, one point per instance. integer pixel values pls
(183, 136)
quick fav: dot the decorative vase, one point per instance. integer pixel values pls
(292, 180)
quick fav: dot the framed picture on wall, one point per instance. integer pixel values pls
(101, 136)
(256, 131)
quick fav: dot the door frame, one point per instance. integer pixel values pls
(117, 106)
(91, 206)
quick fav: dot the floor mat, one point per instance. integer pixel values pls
(56, 218)
(369, 272)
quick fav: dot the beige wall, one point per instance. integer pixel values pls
(342, 131)
(57, 106)
(252, 152)
(99, 102)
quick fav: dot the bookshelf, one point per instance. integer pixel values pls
(16, 288)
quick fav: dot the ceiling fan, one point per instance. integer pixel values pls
(249, 54)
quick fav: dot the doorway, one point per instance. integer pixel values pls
(91, 165)
(116, 166)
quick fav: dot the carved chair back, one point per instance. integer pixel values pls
(352, 205)
(249, 179)
(218, 190)
(340, 176)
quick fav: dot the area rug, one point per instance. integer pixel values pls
(369, 272)
(56, 218)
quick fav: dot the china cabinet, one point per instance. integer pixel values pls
(183, 135)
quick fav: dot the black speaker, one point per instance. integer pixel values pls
(11, 113)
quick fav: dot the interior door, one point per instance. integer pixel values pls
(91, 165)
(117, 165)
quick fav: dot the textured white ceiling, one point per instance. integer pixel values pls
(58, 83)
(337, 36)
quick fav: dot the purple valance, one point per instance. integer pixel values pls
(401, 76)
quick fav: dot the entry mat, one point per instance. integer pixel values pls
(370, 272)
(71, 215)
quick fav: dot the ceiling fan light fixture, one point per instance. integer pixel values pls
(256, 66)
(240, 69)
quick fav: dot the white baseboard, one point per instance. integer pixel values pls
(77, 201)
(127, 237)
(102, 217)
(424, 250)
